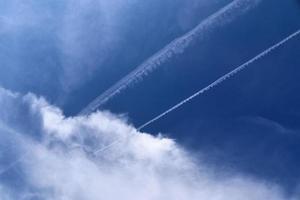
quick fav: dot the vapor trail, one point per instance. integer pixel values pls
(12, 165)
(223, 78)
(177, 46)
(210, 86)
(17, 161)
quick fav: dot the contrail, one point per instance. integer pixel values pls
(223, 78)
(177, 46)
(210, 86)
(12, 165)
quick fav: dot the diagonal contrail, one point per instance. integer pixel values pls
(177, 46)
(210, 86)
(12, 165)
(223, 78)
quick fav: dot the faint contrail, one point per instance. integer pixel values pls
(177, 46)
(20, 159)
(223, 78)
(12, 165)
(212, 85)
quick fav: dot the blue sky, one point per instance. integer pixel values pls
(57, 56)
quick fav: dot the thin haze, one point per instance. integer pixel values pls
(177, 46)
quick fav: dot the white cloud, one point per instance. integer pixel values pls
(57, 160)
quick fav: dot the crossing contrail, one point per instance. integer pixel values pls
(177, 46)
(222, 78)
(210, 86)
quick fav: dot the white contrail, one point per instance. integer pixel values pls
(177, 46)
(210, 86)
(223, 78)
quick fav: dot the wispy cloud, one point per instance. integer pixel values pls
(89, 32)
(61, 166)
(64, 42)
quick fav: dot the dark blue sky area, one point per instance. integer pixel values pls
(250, 123)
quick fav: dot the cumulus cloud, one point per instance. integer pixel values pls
(45, 155)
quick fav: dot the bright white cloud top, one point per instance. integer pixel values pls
(50, 156)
